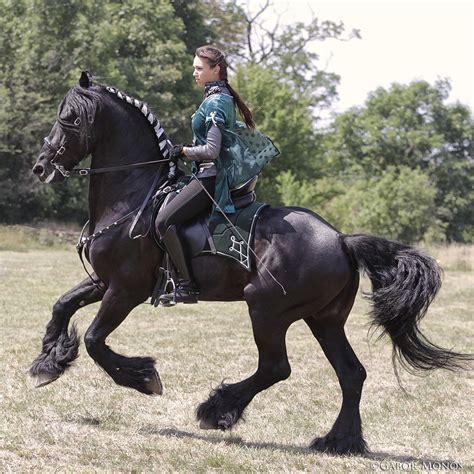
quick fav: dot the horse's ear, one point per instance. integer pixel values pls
(85, 80)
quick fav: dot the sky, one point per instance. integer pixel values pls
(402, 41)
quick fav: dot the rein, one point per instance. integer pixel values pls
(110, 169)
(88, 171)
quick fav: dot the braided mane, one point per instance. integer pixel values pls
(163, 141)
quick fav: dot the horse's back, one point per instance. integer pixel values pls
(301, 234)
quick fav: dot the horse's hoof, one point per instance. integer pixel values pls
(43, 379)
(207, 425)
(154, 385)
(342, 446)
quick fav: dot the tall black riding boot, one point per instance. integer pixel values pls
(186, 290)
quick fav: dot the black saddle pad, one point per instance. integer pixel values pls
(234, 239)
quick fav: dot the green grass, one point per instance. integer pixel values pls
(84, 422)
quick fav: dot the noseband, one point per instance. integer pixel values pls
(58, 151)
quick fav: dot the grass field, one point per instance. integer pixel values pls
(84, 422)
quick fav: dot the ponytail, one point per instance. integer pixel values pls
(243, 109)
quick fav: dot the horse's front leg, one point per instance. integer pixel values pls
(60, 346)
(134, 372)
(226, 404)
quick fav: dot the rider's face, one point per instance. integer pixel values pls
(203, 72)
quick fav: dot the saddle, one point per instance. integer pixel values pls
(230, 236)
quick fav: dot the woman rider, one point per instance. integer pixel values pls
(216, 164)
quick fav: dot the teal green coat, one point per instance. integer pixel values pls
(243, 153)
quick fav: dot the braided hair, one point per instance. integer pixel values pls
(215, 57)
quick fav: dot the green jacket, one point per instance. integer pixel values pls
(244, 151)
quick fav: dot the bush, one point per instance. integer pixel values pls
(398, 204)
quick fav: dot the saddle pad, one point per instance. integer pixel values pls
(236, 242)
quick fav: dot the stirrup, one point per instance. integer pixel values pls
(168, 297)
(179, 294)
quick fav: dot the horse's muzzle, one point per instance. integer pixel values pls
(38, 169)
(45, 171)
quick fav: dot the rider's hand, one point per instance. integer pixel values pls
(176, 153)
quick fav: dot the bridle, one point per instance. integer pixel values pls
(74, 128)
(59, 151)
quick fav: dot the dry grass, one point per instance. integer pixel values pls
(455, 257)
(22, 238)
(83, 422)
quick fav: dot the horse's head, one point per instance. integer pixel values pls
(71, 138)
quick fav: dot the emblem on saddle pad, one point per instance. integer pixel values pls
(240, 250)
(234, 241)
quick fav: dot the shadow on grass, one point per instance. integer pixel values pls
(226, 439)
(294, 449)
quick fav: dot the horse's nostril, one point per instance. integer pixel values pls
(38, 169)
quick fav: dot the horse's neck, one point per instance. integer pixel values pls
(113, 195)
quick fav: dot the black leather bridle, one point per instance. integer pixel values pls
(59, 151)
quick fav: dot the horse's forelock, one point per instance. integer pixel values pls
(82, 102)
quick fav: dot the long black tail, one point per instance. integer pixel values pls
(404, 283)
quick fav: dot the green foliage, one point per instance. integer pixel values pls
(137, 46)
(290, 127)
(293, 192)
(411, 126)
(397, 204)
(228, 23)
(283, 48)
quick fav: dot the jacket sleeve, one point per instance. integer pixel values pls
(209, 151)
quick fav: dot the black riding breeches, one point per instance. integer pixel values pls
(188, 203)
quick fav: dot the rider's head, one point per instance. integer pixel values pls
(209, 65)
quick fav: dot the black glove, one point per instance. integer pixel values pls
(176, 153)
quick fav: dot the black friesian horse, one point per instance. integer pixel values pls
(318, 267)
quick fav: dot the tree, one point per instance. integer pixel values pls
(282, 81)
(284, 49)
(136, 46)
(283, 115)
(397, 204)
(411, 126)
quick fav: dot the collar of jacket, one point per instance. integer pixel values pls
(215, 87)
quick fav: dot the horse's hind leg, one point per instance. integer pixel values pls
(346, 434)
(134, 372)
(225, 405)
(60, 346)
